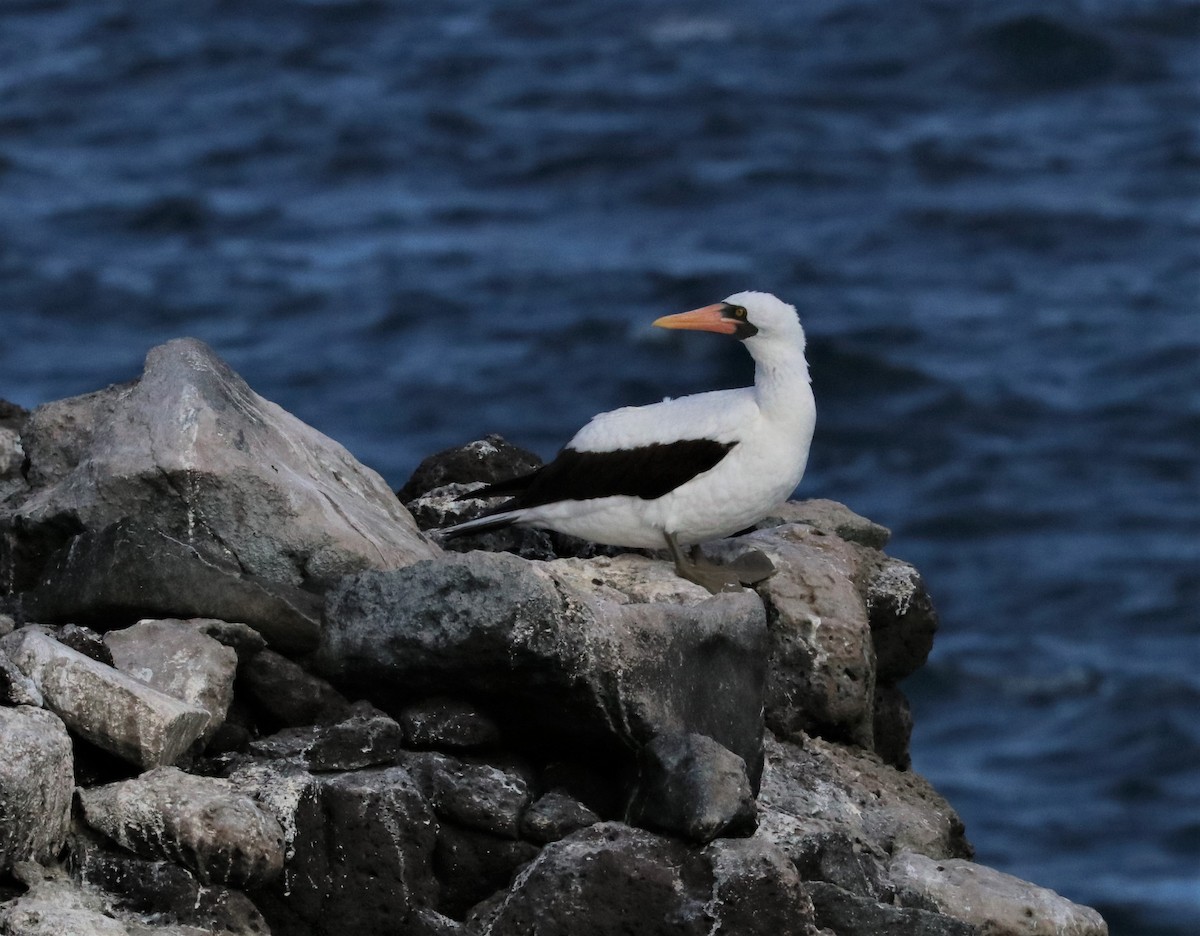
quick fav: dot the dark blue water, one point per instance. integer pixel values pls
(414, 224)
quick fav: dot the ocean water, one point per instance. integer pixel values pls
(412, 225)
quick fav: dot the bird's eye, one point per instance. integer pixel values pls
(739, 312)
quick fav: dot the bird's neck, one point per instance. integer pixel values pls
(781, 380)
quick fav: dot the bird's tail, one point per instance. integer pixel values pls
(483, 524)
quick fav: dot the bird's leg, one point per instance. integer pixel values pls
(716, 578)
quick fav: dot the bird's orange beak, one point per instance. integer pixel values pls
(710, 318)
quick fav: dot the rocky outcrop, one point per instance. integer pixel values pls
(244, 694)
(251, 498)
(515, 633)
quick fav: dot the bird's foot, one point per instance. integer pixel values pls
(716, 579)
(750, 568)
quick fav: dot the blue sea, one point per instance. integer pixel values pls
(413, 224)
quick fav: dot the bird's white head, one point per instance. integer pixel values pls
(767, 318)
(758, 318)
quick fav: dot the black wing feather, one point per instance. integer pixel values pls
(647, 472)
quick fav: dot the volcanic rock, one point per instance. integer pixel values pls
(439, 744)
(995, 902)
(103, 705)
(36, 783)
(162, 890)
(442, 722)
(384, 883)
(809, 789)
(693, 787)
(586, 674)
(55, 905)
(202, 823)
(610, 879)
(365, 738)
(190, 451)
(287, 694)
(126, 571)
(181, 661)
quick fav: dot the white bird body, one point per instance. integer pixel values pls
(689, 469)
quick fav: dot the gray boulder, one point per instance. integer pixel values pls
(287, 694)
(365, 738)
(809, 790)
(830, 518)
(471, 794)
(191, 451)
(471, 866)
(162, 890)
(821, 674)
(202, 823)
(610, 878)
(846, 914)
(554, 816)
(129, 570)
(568, 669)
(103, 705)
(443, 722)
(55, 905)
(36, 783)
(997, 903)
(180, 660)
(359, 852)
(689, 785)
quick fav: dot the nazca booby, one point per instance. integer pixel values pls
(686, 470)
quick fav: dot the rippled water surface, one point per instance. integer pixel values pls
(413, 225)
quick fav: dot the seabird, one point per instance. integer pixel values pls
(686, 470)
